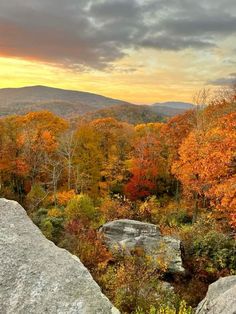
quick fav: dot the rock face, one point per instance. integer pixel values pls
(220, 298)
(130, 234)
(38, 277)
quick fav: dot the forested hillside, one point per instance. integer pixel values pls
(68, 104)
(132, 114)
(179, 175)
(62, 102)
(171, 108)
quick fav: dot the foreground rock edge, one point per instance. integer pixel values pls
(38, 277)
(220, 297)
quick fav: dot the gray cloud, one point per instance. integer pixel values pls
(230, 80)
(83, 33)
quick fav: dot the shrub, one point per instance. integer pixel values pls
(35, 198)
(208, 248)
(52, 228)
(218, 248)
(182, 308)
(64, 197)
(88, 245)
(50, 221)
(81, 208)
(168, 215)
(149, 210)
(135, 282)
(115, 208)
(55, 212)
(47, 228)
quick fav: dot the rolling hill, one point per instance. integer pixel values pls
(69, 104)
(171, 108)
(61, 102)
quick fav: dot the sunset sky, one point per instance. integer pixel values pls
(142, 51)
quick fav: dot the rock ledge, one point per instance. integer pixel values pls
(220, 298)
(125, 234)
(38, 277)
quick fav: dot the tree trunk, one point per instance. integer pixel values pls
(196, 208)
(54, 180)
(69, 173)
(177, 198)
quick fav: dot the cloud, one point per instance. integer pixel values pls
(95, 33)
(224, 81)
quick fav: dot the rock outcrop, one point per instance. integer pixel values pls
(220, 298)
(125, 234)
(38, 277)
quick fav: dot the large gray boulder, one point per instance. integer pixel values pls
(125, 234)
(38, 277)
(220, 298)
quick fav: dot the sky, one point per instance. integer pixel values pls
(142, 51)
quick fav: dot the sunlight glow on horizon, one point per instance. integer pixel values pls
(142, 85)
(137, 51)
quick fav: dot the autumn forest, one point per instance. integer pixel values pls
(73, 176)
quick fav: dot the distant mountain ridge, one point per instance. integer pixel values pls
(171, 108)
(35, 98)
(70, 103)
(175, 104)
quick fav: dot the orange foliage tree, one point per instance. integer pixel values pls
(115, 144)
(206, 160)
(145, 164)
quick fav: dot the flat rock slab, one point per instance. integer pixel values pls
(38, 277)
(125, 234)
(220, 298)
